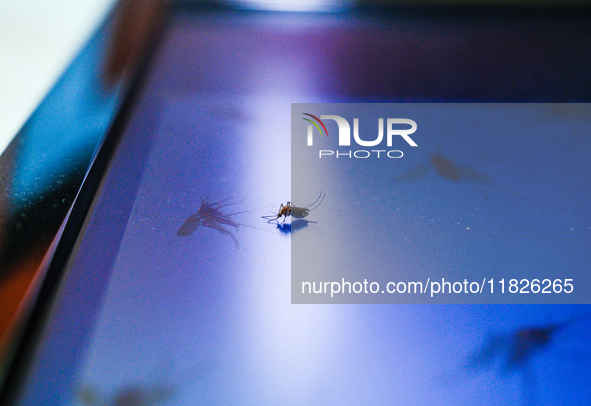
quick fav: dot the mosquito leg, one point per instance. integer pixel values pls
(246, 211)
(217, 226)
(227, 221)
(217, 205)
(475, 186)
(529, 388)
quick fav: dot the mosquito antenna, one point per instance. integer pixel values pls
(305, 207)
(319, 196)
(320, 202)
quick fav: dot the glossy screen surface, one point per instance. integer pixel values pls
(179, 292)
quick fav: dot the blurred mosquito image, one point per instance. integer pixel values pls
(130, 395)
(296, 212)
(520, 352)
(211, 215)
(161, 389)
(452, 171)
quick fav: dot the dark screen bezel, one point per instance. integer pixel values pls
(73, 224)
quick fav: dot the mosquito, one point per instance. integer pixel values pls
(519, 347)
(514, 351)
(132, 395)
(211, 215)
(296, 212)
(159, 390)
(454, 172)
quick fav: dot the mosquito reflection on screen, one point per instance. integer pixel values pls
(212, 216)
(450, 170)
(515, 353)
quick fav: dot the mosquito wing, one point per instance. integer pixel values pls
(190, 225)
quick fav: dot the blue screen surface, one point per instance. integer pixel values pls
(179, 292)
